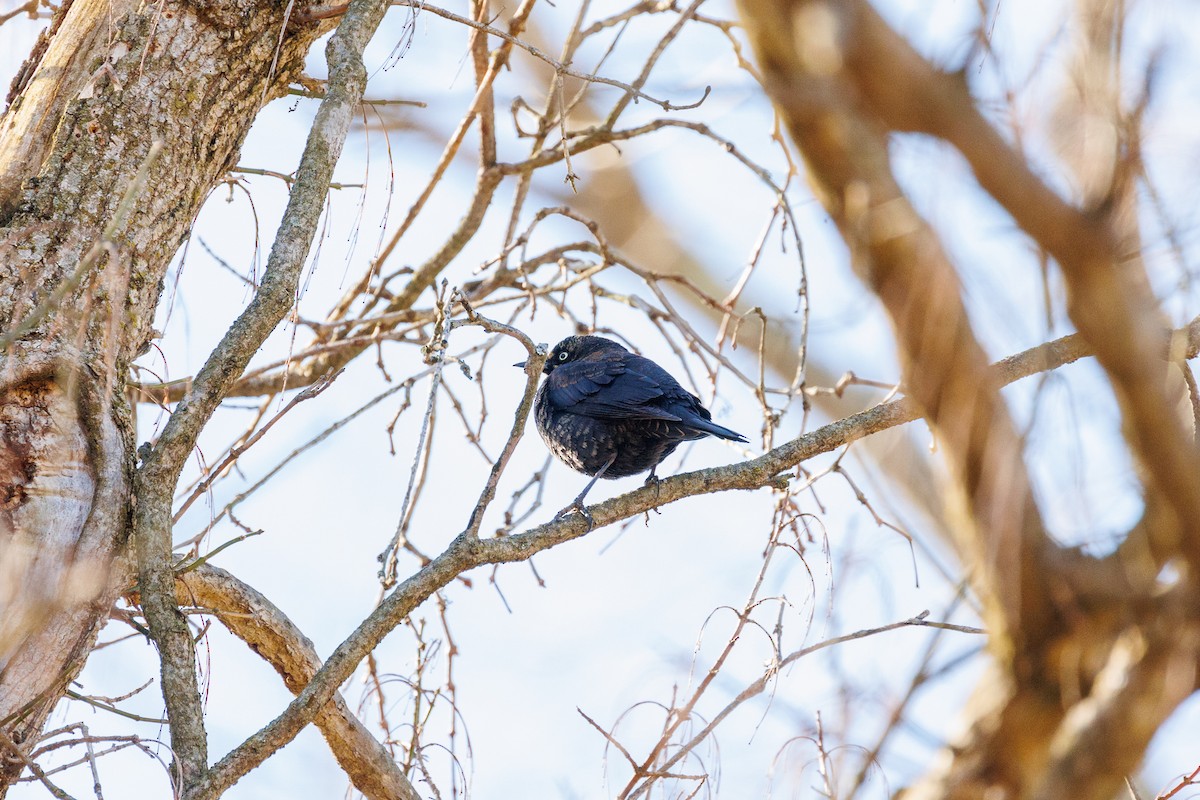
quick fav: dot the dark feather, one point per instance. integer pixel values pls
(603, 405)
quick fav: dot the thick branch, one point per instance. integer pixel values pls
(844, 81)
(83, 255)
(1150, 670)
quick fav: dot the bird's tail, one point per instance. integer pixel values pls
(716, 430)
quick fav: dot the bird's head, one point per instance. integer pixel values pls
(574, 348)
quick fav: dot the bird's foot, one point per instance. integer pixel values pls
(577, 503)
(656, 482)
(579, 507)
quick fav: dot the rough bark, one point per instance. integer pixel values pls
(85, 241)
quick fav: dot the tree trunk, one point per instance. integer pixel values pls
(121, 123)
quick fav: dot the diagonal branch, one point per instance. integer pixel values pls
(844, 80)
(467, 551)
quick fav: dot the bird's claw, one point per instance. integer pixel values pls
(579, 507)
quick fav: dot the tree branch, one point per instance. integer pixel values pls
(467, 551)
(271, 634)
(1108, 295)
(844, 81)
(1148, 673)
(155, 481)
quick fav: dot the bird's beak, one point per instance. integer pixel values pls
(541, 350)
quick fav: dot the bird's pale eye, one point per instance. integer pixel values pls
(562, 356)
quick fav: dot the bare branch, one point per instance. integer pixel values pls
(559, 67)
(468, 552)
(271, 634)
(760, 685)
(155, 481)
(15, 750)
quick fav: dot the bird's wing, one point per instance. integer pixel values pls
(608, 385)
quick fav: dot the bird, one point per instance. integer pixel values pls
(610, 413)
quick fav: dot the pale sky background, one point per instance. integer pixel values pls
(623, 611)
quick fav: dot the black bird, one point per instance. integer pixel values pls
(610, 413)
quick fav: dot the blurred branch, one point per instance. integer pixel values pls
(845, 80)
(29, 8)
(1151, 670)
(944, 367)
(1108, 295)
